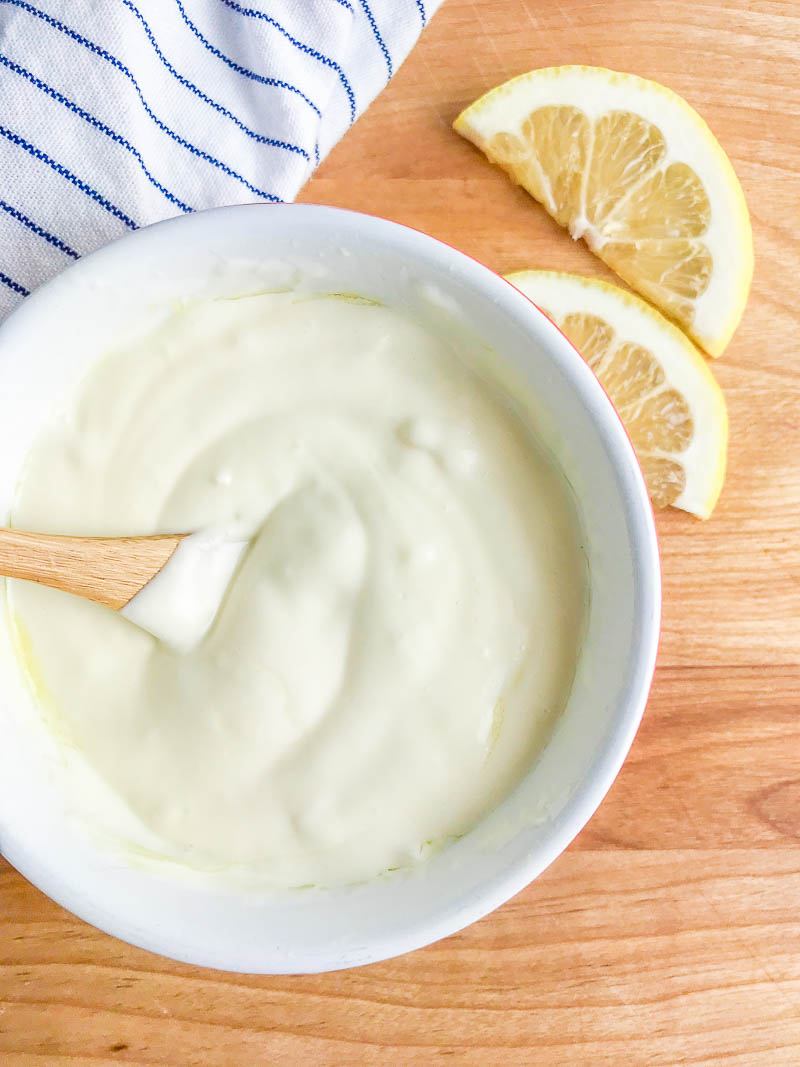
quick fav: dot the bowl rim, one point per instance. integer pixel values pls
(586, 797)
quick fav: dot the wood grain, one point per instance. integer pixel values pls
(668, 933)
(108, 570)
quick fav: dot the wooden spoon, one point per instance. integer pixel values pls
(108, 570)
(112, 571)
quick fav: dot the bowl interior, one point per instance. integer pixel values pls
(46, 346)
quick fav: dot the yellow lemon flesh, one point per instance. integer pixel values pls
(630, 167)
(661, 386)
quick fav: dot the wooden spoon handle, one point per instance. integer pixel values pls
(109, 570)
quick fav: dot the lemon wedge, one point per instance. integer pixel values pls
(630, 167)
(661, 386)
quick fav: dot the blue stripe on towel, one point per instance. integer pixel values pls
(422, 14)
(207, 99)
(51, 238)
(4, 278)
(261, 78)
(79, 183)
(378, 38)
(252, 13)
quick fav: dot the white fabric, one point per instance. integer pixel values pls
(117, 113)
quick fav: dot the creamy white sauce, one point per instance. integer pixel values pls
(395, 642)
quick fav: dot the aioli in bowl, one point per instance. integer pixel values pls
(48, 346)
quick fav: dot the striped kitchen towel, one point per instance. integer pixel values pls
(116, 113)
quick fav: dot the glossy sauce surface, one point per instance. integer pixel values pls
(399, 635)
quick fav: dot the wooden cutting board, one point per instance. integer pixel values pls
(669, 932)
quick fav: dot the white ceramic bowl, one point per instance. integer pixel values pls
(46, 344)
